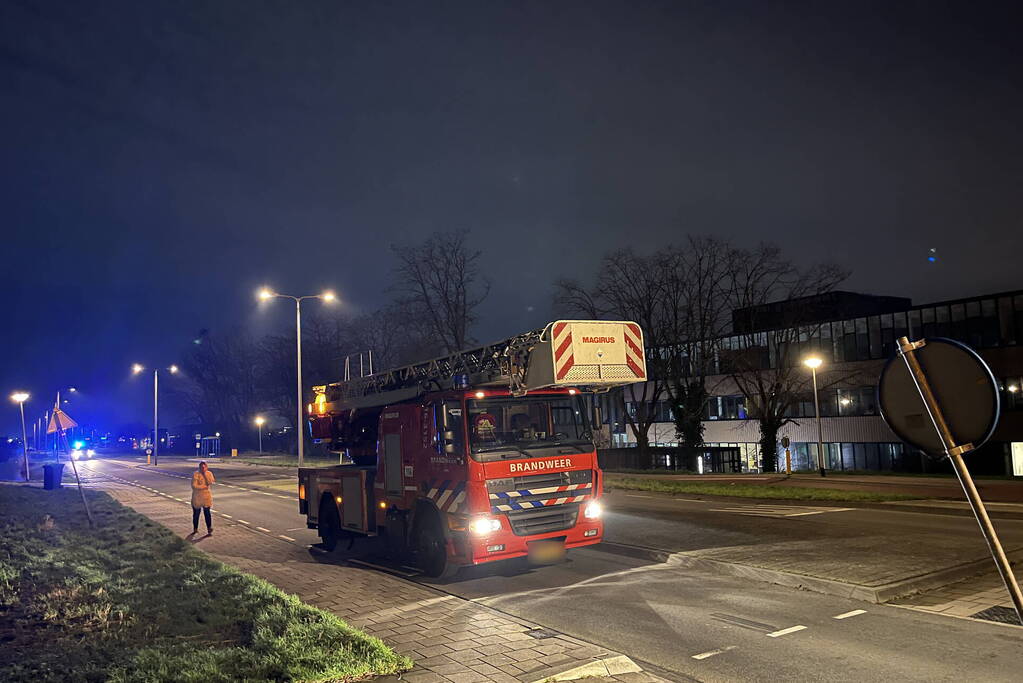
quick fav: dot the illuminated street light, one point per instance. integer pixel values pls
(814, 362)
(259, 430)
(328, 296)
(1013, 388)
(20, 397)
(137, 368)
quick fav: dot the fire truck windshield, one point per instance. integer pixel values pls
(526, 424)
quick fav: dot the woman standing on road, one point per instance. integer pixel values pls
(202, 480)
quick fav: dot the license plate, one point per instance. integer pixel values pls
(546, 552)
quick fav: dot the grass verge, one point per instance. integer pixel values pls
(130, 601)
(768, 491)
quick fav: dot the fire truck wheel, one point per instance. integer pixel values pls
(329, 526)
(432, 549)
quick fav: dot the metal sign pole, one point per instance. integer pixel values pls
(955, 454)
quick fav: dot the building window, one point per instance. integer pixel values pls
(874, 329)
(914, 325)
(942, 327)
(928, 328)
(958, 315)
(1017, 305)
(989, 323)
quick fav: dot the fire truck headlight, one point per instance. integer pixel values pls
(593, 510)
(485, 525)
(90, 452)
(76, 454)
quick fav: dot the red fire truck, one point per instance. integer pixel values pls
(483, 455)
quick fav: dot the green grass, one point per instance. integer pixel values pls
(130, 601)
(768, 491)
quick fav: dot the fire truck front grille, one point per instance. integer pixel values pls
(544, 520)
(538, 481)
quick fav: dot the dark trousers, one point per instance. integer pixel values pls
(206, 514)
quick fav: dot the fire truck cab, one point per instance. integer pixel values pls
(498, 464)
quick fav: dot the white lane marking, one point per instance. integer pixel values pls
(244, 522)
(692, 500)
(751, 513)
(228, 516)
(286, 538)
(262, 529)
(818, 512)
(785, 631)
(179, 500)
(636, 495)
(298, 528)
(265, 493)
(285, 497)
(854, 613)
(711, 653)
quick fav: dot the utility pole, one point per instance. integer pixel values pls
(299, 432)
(813, 363)
(156, 413)
(328, 296)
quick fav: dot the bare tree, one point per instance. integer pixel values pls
(764, 355)
(221, 384)
(439, 288)
(628, 287)
(695, 315)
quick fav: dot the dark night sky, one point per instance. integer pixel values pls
(162, 159)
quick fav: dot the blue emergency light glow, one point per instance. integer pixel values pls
(79, 444)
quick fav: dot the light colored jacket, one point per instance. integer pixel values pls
(201, 496)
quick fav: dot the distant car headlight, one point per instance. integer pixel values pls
(76, 454)
(485, 525)
(90, 452)
(593, 510)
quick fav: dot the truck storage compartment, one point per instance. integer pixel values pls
(356, 506)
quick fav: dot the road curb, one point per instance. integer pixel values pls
(634, 551)
(608, 666)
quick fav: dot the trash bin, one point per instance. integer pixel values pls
(52, 476)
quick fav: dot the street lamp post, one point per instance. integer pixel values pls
(259, 430)
(20, 397)
(136, 369)
(813, 363)
(328, 296)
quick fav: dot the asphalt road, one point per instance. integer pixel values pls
(688, 624)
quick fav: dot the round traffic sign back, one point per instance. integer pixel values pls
(963, 386)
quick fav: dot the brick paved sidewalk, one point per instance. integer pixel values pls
(963, 599)
(449, 638)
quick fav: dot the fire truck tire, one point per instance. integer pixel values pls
(432, 549)
(329, 524)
